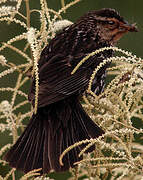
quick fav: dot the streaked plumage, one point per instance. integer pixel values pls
(60, 120)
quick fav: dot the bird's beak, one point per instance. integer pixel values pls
(130, 27)
(124, 27)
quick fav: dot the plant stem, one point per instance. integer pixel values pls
(27, 13)
(28, 22)
(13, 175)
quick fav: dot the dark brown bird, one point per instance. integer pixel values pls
(60, 120)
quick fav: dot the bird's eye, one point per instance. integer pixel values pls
(111, 22)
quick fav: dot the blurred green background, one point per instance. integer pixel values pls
(130, 9)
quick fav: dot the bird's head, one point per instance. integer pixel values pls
(109, 25)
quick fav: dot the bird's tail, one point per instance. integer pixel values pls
(50, 131)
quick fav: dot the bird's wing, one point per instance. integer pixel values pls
(56, 82)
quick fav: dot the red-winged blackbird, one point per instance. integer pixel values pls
(60, 120)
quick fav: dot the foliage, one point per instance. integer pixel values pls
(119, 152)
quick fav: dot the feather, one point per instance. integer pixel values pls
(53, 129)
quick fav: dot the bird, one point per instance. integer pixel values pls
(60, 120)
